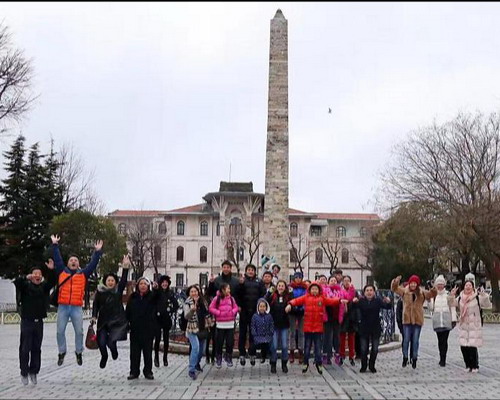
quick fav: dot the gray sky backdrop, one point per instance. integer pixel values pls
(159, 99)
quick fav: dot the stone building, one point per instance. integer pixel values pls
(190, 243)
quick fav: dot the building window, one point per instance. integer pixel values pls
(203, 280)
(294, 229)
(217, 231)
(157, 253)
(293, 256)
(363, 232)
(122, 229)
(203, 254)
(241, 254)
(180, 253)
(180, 228)
(315, 230)
(341, 232)
(345, 256)
(319, 256)
(179, 280)
(204, 228)
(235, 227)
(162, 228)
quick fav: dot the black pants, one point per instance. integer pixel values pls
(365, 340)
(103, 341)
(211, 338)
(443, 344)
(224, 335)
(166, 343)
(311, 338)
(30, 347)
(245, 320)
(471, 357)
(141, 343)
(265, 349)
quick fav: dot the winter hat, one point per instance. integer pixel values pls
(470, 278)
(143, 278)
(298, 275)
(440, 279)
(263, 300)
(414, 278)
(275, 265)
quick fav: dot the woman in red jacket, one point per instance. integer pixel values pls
(314, 303)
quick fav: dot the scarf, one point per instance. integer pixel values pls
(464, 299)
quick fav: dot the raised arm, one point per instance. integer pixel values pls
(430, 294)
(395, 287)
(299, 301)
(124, 278)
(56, 254)
(92, 265)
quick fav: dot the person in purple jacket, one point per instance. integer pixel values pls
(225, 309)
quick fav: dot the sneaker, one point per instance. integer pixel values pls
(351, 360)
(252, 360)
(192, 375)
(114, 354)
(229, 361)
(305, 368)
(198, 368)
(373, 370)
(131, 377)
(103, 362)
(33, 379)
(474, 370)
(149, 376)
(218, 362)
(242, 360)
(414, 363)
(362, 370)
(79, 359)
(60, 358)
(405, 362)
(319, 367)
(24, 380)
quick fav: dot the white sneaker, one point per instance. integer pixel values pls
(24, 380)
(33, 379)
(474, 370)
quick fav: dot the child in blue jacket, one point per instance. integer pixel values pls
(262, 328)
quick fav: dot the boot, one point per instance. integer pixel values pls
(218, 362)
(301, 356)
(273, 367)
(60, 358)
(442, 361)
(284, 366)
(291, 357)
(405, 362)
(165, 359)
(371, 366)
(305, 368)
(157, 360)
(363, 364)
(79, 359)
(414, 363)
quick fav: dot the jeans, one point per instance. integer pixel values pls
(280, 335)
(309, 339)
(103, 341)
(64, 313)
(471, 357)
(411, 334)
(443, 344)
(30, 347)
(227, 336)
(197, 348)
(365, 340)
(296, 326)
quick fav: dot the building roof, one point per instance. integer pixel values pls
(197, 208)
(236, 187)
(135, 213)
(348, 216)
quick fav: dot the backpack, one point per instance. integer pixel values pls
(480, 309)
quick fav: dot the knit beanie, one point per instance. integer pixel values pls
(298, 274)
(440, 279)
(414, 278)
(470, 278)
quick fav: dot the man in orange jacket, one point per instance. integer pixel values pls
(72, 281)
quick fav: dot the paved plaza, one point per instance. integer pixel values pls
(428, 381)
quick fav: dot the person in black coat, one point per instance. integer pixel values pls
(141, 315)
(250, 290)
(108, 311)
(226, 276)
(369, 307)
(33, 294)
(167, 307)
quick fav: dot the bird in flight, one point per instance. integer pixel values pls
(329, 110)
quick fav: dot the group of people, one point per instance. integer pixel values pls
(275, 316)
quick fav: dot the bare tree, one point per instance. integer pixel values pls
(253, 243)
(453, 170)
(331, 247)
(16, 75)
(299, 253)
(76, 183)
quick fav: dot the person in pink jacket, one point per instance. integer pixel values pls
(225, 309)
(348, 324)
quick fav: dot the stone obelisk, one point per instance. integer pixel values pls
(276, 195)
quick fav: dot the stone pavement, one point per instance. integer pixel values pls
(71, 381)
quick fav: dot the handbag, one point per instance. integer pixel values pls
(54, 296)
(91, 338)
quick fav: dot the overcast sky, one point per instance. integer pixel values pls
(160, 99)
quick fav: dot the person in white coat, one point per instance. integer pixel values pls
(444, 317)
(470, 303)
